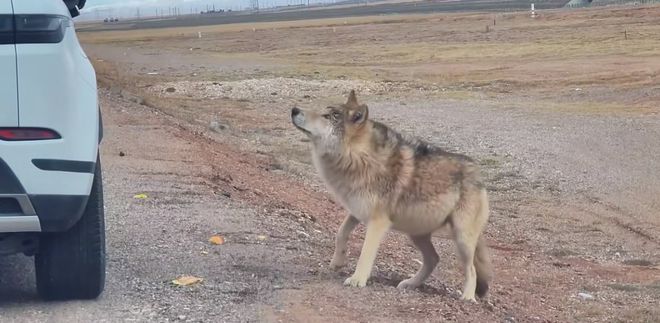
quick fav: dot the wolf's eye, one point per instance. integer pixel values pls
(336, 115)
(327, 116)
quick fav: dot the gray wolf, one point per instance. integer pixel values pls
(390, 182)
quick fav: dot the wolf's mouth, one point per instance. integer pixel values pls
(303, 130)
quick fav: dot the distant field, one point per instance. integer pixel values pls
(331, 12)
(560, 50)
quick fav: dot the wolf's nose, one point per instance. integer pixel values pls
(295, 112)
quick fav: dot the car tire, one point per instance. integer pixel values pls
(71, 264)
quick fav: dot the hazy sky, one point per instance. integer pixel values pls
(123, 6)
(129, 8)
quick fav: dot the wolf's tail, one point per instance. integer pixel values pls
(481, 255)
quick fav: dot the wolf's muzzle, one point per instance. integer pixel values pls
(298, 119)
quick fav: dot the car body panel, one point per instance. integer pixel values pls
(8, 82)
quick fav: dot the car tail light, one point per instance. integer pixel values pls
(23, 134)
(33, 29)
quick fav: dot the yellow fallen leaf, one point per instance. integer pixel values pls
(261, 238)
(186, 280)
(204, 252)
(140, 196)
(217, 240)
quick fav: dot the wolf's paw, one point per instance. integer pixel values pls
(355, 281)
(469, 298)
(337, 263)
(409, 283)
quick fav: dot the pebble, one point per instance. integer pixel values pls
(216, 126)
(585, 296)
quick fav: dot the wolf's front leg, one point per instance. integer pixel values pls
(377, 227)
(339, 258)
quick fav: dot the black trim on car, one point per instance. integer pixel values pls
(7, 30)
(60, 165)
(33, 29)
(9, 205)
(40, 29)
(100, 125)
(58, 213)
(9, 183)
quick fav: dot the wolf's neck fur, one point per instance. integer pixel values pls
(357, 156)
(364, 161)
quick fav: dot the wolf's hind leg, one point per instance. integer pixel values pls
(466, 248)
(339, 258)
(467, 229)
(431, 258)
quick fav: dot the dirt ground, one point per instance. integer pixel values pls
(561, 110)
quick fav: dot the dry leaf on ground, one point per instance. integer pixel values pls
(186, 280)
(140, 196)
(217, 240)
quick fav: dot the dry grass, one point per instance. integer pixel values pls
(192, 32)
(542, 59)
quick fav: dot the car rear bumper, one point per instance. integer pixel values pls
(23, 212)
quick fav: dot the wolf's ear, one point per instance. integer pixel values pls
(359, 115)
(352, 99)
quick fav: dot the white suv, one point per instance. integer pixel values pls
(51, 196)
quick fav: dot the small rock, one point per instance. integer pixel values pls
(122, 154)
(216, 126)
(585, 296)
(273, 93)
(137, 99)
(226, 194)
(115, 90)
(170, 90)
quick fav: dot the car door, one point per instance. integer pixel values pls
(8, 81)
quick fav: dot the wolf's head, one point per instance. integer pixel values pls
(331, 128)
